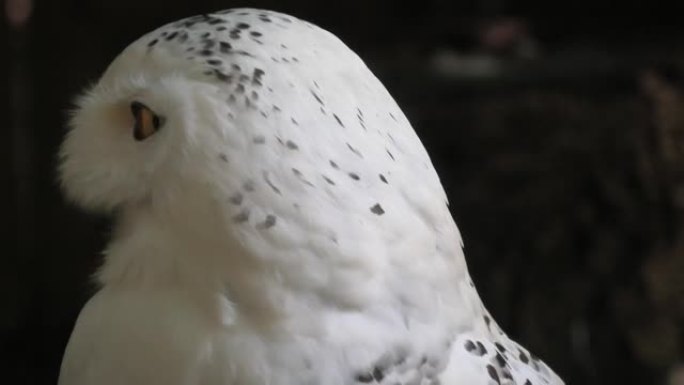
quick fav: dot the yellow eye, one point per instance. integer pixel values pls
(146, 121)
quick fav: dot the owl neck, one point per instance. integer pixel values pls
(153, 251)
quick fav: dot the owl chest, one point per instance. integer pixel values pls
(167, 338)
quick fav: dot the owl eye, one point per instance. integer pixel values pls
(146, 121)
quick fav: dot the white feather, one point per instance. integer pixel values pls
(284, 226)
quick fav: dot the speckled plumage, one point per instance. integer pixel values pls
(284, 225)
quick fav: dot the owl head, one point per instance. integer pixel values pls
(248, 114)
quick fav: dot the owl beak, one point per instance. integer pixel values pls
(147, 123)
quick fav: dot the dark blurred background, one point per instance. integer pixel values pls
(557, 129)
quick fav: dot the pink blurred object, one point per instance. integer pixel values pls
(504, 32)
(18, 12)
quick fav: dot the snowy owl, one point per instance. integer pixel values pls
(278, 222)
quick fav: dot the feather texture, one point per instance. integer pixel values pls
(284, 226)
